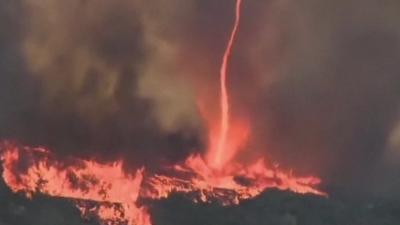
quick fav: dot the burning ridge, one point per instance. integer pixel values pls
(117, 194)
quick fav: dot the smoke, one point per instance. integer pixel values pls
(96, 77)
(122, 79)
(333, 104)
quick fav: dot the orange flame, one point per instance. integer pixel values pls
(32, 170)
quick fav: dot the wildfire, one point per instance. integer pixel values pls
(215, 177)
(116, 193)
(235, 183)
(31, 170)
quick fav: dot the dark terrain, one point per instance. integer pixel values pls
(271, 208)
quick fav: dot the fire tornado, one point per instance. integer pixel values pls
(224, 126)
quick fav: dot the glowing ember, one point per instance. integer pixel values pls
(114, 194)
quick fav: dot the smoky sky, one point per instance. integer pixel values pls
(70, 81)
(335, 102)
(318, 80)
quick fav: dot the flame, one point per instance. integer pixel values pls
(32, 170)
(114, 194)
(236, 183)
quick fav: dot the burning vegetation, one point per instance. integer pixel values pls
(117, 194)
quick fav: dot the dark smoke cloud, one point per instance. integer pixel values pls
(334, 102)
(71, 74)
(112, 79)
(318, 80)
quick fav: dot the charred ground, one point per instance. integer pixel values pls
(270, 208)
